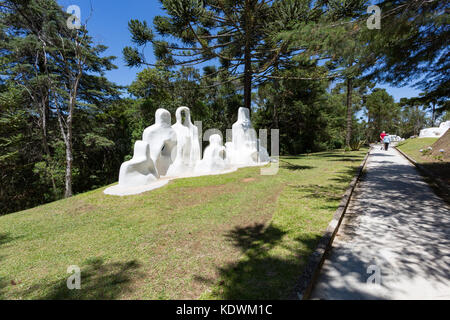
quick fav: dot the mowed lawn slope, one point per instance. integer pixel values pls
(233, 236)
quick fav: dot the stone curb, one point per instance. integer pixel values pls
(312, 269)
(429, 176)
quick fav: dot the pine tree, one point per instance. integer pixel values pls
(412, 47)
(240, 35)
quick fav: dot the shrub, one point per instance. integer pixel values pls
(357, 144)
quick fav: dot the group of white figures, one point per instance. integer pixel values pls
(169, 151)
(435, 132)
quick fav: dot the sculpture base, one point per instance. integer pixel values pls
(128, 191)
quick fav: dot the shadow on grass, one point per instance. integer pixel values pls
(290, 166)
(6, 238)
(329, 192)
(348, 159)
(99, 280)
(340, 155)
(262, 274)
(346, 175)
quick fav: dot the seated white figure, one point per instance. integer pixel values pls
(162, 140)
(188, 145)
(140, 170)
(214, 157)
(245, 148)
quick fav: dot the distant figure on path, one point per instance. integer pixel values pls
(382, 135)
(386, 141)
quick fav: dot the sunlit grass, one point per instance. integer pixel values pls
(239, 235)
(412, 147)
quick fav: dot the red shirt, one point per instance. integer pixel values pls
(382, 136)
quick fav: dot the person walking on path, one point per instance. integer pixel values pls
(382, 135)
(386, 141)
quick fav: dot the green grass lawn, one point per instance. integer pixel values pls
(412, 147)
(235, 236)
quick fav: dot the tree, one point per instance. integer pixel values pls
(240, 35)
(413, 47)
(61, 69)
(413, 118)
(383, 114)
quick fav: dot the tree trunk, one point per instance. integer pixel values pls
(433, 115)
(276, 105)
(247, 58)
(44, 108)
(348, 136)
(247, 83)
(68, 140)
(69, 163)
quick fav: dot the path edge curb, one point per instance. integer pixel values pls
(312, 269)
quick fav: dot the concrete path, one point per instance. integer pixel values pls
(394, 241)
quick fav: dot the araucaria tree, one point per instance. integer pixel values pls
(238, 35)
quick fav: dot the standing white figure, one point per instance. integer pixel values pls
(188, 145)
(162, 140)
(214, 158)
(245, 149)
(140, 170)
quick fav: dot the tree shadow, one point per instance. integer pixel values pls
(329, 192)
(3, 285)
(345, 175)
(347, 159)
(6, 238)
(340, 156)
(261, 274)
(290, 166)
(99, 280)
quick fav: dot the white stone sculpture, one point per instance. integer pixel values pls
(188, 145)
(395, 138)
(168, 152)
(162, 140)
(140, 170)
(214, 158)
(245, 149)
(435, 132)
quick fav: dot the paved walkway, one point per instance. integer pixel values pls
(394, 241)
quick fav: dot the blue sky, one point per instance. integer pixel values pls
(108, 25)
